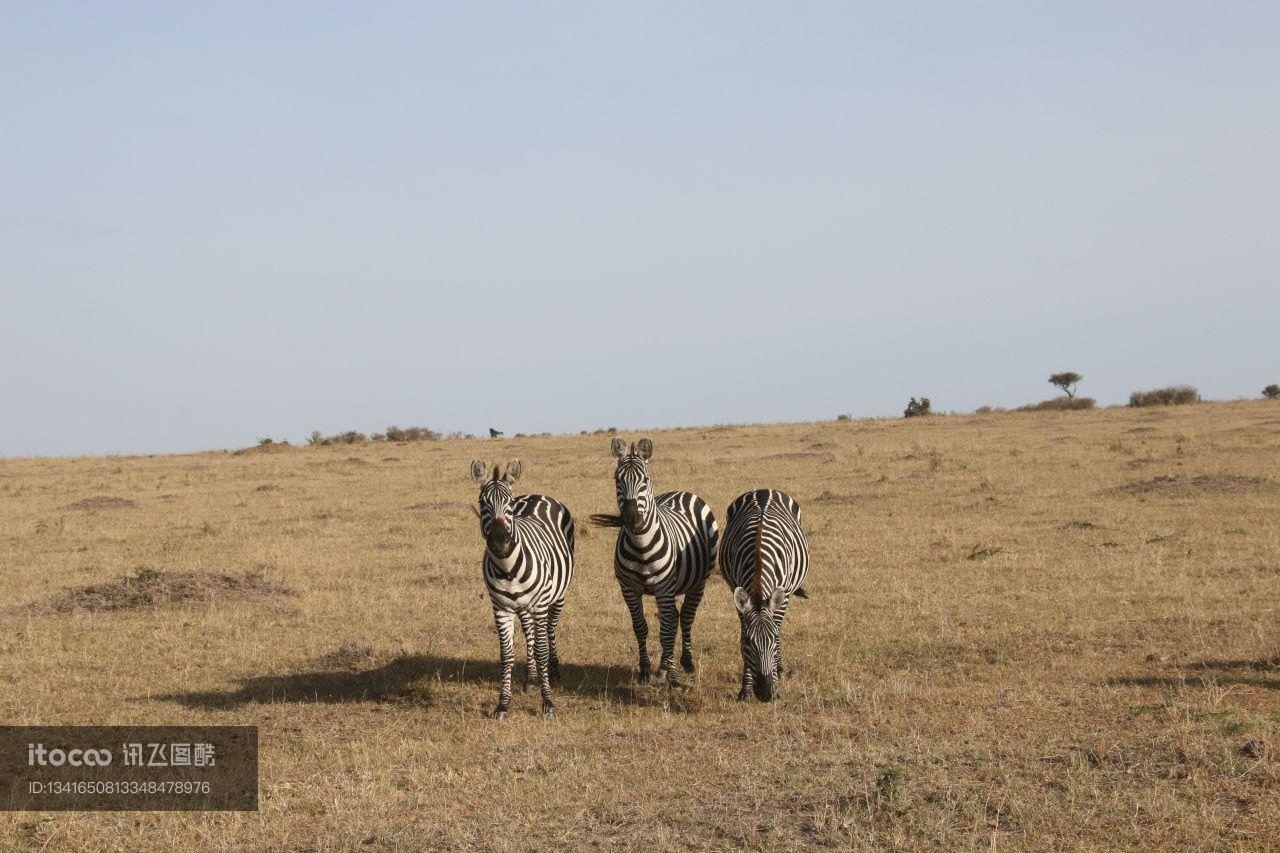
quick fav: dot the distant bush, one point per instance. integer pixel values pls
(1271, 392)
(917, 408)
(316, 439)
(1174, 395)
(1060, 404)
(990, 410)
(394, 433)
(844, 417)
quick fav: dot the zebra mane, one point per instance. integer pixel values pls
(757, 582)
(606, 520)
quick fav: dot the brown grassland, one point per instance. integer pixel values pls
(1050, 630)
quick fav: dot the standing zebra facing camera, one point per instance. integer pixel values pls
(528, 564)
(666, 548)
(764, 558)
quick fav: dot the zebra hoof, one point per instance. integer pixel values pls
(499, 714)
(686, 662)
(643, 677)
(548, 710)
(528, 685)
(744, 695)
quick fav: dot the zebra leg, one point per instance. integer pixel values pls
(688, 610)
(543, 645)
(530, 660)
(668, 618)
(748, 683)
(507, 654)
(634, 603)
(553, 622)
(778, 616)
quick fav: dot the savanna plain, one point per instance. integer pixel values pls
(1024, 631)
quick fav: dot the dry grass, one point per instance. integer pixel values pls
(1007, 644)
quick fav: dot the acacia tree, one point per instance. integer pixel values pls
(1271, 392)
(1067, 381)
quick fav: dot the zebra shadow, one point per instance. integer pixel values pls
(414, 679)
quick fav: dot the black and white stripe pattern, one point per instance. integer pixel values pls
(528, 564)
(666, 548)
(764, 558)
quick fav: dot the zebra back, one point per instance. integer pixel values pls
(764, 547)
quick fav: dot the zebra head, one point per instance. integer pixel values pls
(635, 488)
(496, 502)
(760, 640)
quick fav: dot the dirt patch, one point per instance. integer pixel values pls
(830, 497)
(153, 588)
(797, 455)
(267, 487)
(103, 502)
(351, 656)
(1200, 484)
(1142, 429)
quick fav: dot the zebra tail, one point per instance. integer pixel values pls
(605, 520)
(800, 593)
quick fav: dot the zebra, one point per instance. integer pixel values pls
(764, 557)
(666, 548)
(528, 564)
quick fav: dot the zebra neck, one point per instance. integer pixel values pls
(505, 565)
(651, 532)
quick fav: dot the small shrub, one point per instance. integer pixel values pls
(1061, 404)
(1174, 395)
(1271, 392)
(850, 417)
(917, 408)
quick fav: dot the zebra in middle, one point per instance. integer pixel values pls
(666, 548)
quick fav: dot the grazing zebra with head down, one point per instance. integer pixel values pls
(528, 563)
(764, 558)
(666, 548)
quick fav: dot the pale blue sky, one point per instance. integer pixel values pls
(222, 221)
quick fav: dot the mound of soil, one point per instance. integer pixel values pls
(102, 502)
(352, 655)
(269, 447)
(1200, 484)
(152, 588)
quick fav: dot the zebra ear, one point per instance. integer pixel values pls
(645, 448)
(513, 472)
(618, 447)
(742, 600)
(478, 471)
(777, 599)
